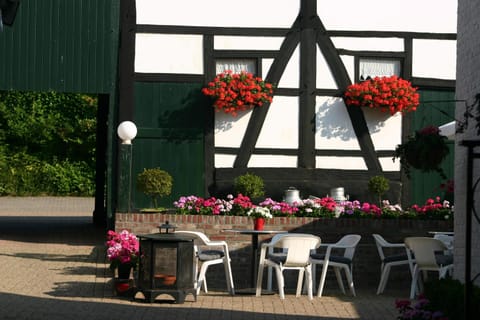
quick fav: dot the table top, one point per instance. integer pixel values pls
(166, 237)
(449, 233)
(252, 231)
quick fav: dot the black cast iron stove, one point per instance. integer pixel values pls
(166, 266)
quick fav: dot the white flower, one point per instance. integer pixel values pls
(260, 212)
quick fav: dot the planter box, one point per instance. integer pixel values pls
(366, 262)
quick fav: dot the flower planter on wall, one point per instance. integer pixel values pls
(367, 262)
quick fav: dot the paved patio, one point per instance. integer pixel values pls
(54, 267)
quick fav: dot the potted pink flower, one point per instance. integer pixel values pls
(122, 252)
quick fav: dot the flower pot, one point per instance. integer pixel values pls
(124, 271)
(122, 286)
(258, 224)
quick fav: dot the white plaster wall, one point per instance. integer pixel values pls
(409, 15)
(280, 129)
(290, 77)
(168, 53)
(224, 160)
(434, 59)
(334, 129)
(247, 43)
(345, 163)
(405, 15)
(221, 13)
(325, 78)
(230, 130)
(369, 44)
(385, 129)
(269, 161)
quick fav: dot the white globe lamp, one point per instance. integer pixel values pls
(127, 131)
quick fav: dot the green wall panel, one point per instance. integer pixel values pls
(436, 109)
(170, 124)
(61, 45)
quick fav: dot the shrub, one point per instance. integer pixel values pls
(378, 185)
(155, 183)
(249, 185)
(23, 174)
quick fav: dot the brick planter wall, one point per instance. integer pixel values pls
(366, 262)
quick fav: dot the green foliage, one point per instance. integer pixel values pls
(447, 295)
(155, 183)
(24, 175)
(378, 185)
(48, 143)
(249, 185)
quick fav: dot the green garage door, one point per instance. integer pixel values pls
(170, 124)
(437, 109)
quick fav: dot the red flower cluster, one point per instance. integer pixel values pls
(235, 92)
(389, 94)
(430, 205)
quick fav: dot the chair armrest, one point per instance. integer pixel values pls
(217, 243)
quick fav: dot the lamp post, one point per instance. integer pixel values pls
(126, 131)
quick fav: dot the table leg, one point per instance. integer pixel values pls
(253, 267)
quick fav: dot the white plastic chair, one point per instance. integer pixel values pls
(208, 252)
(275, 253)
(397, 256)
(297, 257)
(429, 256)
(447, 239)
(348, 244)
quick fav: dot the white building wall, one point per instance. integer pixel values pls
(411, 15)
(467, 86)
(183, 54)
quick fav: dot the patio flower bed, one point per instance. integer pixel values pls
(317, 207)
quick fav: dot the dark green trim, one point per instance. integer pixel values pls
(126, 60)
(294, 152)
(308, 85)
(209, 117)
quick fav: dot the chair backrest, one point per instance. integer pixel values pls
(349, 242)
(298, 248)
(200, 238)
(380, 243)
(424, 249)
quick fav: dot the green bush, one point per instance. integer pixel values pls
(24, 175)
(447, 295)
(249, 185)
(47, 143)
(155, 183)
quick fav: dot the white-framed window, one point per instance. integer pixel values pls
(378, 67)
(236, 65)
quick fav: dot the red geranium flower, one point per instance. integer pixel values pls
(235, 92)
(389, 94)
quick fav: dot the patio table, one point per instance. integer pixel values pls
(253, 263)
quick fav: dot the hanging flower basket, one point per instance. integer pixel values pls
(234, 92)
(424, 151)
(388, 94)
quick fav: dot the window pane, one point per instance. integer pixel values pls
(378, 68)
(236, 65)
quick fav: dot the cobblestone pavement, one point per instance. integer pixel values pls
(53, 266)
